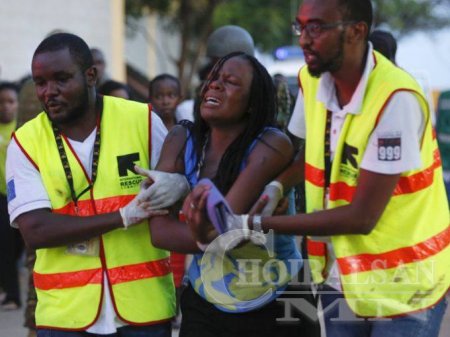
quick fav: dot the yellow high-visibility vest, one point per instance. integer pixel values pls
(6, 131)
(70, 287)
(402, 265)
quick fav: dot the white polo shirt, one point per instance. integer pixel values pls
(402, 118)
(30, 194)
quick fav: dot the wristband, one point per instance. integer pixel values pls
(278, 185)
(257, 226)
(245, 227)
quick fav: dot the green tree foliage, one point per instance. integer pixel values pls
(269, 21)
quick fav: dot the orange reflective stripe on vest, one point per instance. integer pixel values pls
(342, 191)
(317, 258)
(420, 180)
(139, 271)
(86, 207)
(421, 251)
(67, 280)
(94, 276)
(316, 248)
(405, 185)
(314, 175)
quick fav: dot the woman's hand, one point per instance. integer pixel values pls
(194, 210)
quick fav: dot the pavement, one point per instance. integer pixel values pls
(11, 322)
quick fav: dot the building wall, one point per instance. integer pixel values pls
(24, 23)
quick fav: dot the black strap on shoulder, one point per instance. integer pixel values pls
(65, 162)
(327, 150)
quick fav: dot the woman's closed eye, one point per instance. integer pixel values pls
(232, 80)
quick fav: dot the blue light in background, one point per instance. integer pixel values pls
(288, 52)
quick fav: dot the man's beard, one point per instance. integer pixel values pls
(333, 64)
(75, 113)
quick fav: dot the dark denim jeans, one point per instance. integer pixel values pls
(157, 330)
(425, 323)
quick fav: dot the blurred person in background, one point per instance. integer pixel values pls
(29, 107)
(283, 101)
(100, 64)
(11, 244)
(164, 93)
(114, 88)
(385, 43)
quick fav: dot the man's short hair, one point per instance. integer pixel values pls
(77, 48)
(357, 10)
(9, 86)
(110, 85)
(162, 77)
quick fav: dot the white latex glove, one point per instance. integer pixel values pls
(137, 211)
(237, 232)
(274, 192)
(167, 188)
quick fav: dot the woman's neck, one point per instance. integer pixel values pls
(220, 139)
(214, 149)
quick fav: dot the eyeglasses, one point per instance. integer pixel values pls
(314, 29)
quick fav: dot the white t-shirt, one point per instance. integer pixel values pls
(402, 119)
(185, 110)
(30, 194)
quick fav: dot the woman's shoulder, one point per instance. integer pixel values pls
(179, 132)
(272, 144)
(172, 151)
(276, 139)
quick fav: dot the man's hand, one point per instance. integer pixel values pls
(237, 233)
(162, 189)
(137, 211)
(237, 230)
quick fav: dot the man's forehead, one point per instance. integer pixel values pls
(317, 9)
(61, 58)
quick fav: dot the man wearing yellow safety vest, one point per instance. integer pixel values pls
(74, 193)
(376, 205)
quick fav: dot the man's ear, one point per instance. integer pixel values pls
(91, 76)
(357, 32)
